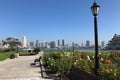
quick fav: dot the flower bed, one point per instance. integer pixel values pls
(61, 62)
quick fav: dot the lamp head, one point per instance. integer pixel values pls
(95, 9)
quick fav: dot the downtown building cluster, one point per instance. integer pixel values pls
(59, 44)
(45, 44)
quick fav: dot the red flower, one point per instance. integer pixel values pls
(108, 61)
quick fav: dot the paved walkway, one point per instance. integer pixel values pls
(20, 69)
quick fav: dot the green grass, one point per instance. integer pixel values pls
(5, 55)
(23, 52)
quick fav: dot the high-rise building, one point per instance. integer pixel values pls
(63, 43)
(32, 44)
(103, 44)
(24, 42)
(52, 44)
(37, 43)
(87, 43)
(1, 44)
(47, 45)
(73, 44)
(58, 43)
(42, 45)
(81, 44)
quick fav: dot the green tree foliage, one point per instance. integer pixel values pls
(13, 43)
(36, 50)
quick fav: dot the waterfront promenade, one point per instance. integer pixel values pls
(20, 68)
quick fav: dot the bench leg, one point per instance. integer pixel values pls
(41, 69)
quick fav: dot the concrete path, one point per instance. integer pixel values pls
(20, 68)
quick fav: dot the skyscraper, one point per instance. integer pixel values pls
(1, 44)
(24, 42)
(73, 44)
(103, 44)
(46, 44)
(52, 44)
(37, 43)
(32, 44)
(63, 43)
(87, 43)
(58, 43)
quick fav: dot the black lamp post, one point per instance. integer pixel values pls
(95, 9)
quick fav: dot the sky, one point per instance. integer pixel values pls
(50, 20)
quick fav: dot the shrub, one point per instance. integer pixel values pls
(36, 50)
(59, 61)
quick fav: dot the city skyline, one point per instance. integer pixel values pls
(47, 45)
(51, 20)
(61, 42)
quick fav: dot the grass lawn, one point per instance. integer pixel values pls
(5, 55)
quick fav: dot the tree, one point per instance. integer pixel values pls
(13, 43)
(36, 50)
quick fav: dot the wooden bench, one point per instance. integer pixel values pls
(36, 61)
(77, 74)
(40, 64)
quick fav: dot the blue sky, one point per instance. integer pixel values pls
(48, 20)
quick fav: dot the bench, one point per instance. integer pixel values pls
(36, 61)
(77, 74)
(40, 64)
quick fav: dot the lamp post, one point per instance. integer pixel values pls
(95, 9)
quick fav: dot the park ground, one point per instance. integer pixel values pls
(20, 68)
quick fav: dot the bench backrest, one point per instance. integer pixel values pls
(77, 74)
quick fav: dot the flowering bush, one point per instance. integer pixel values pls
(58, 62)
(61, 62)
(109, 68)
